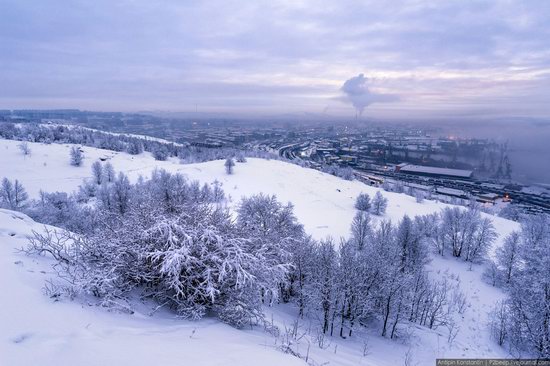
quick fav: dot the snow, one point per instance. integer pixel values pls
(323, 203)
(33, 328)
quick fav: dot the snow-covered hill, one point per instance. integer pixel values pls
(323, 203)
(36, 329)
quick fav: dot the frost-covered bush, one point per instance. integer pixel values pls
(164, 240)
(60, 209)
(267, 218)
(24, 148)
(160, 153)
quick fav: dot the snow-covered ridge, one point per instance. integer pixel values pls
(323, 203)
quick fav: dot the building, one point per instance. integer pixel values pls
(431, 171)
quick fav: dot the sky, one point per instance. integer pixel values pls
(383, 59)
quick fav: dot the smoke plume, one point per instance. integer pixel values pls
(356, 92)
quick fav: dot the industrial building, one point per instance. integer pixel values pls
(431, 171)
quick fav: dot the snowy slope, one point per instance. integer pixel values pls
(34, 330)
(323, 203)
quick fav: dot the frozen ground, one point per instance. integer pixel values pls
(33, 328)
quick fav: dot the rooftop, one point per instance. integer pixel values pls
(419, 169)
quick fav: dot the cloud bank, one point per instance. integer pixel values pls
(277, 56)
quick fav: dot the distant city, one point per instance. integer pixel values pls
(399, 157)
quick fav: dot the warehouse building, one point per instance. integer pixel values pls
(431, 171)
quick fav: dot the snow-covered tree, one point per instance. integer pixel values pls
(76, 156)
(412, 251)
(362, 203)
(229, 164)
(171, 190)
(62, 210)
(120, 193)
(360, 229)
(529, 302)
(97, 172)
(20, 196)
(13, 195)
(206, 193)
(466, 232)
(483, 238)
(300, 275)
(6, 193)
(324, 282)
(135, 147)
(379, 204)
(267, 217)
(109, 173)
(498, 322)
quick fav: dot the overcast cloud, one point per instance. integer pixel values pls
(421, 58)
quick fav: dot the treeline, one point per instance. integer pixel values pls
(88, 137)
(122, 143)
(522, 268)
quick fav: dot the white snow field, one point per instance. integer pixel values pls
(35, 330)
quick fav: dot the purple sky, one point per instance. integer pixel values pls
(387, 58)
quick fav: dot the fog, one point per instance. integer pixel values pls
(528, 144)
